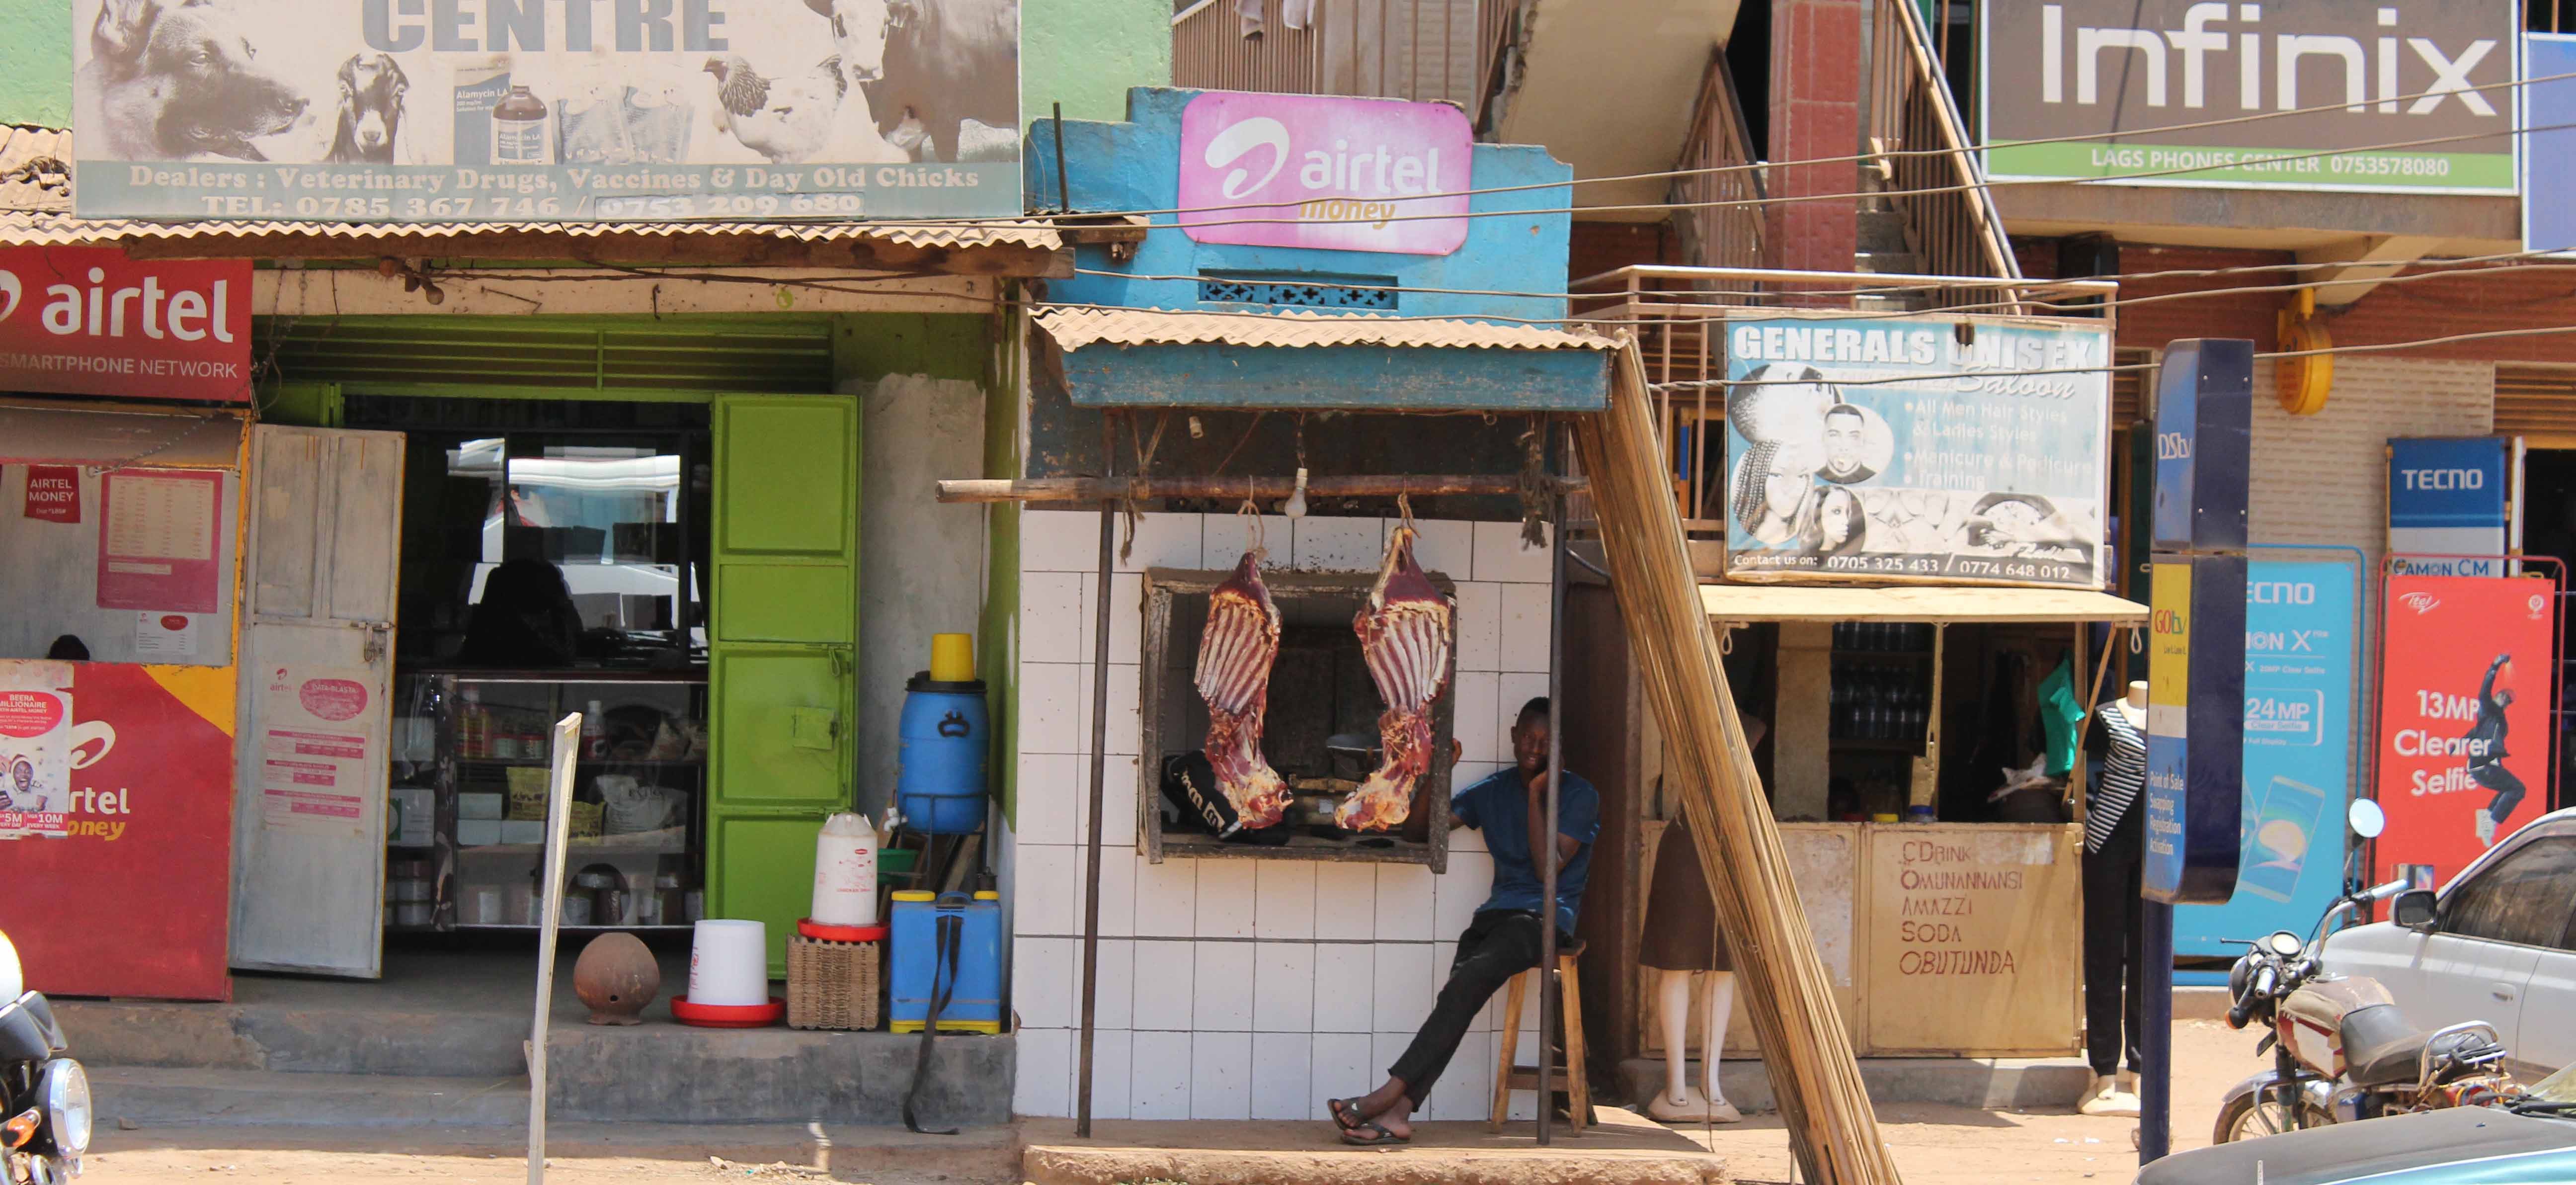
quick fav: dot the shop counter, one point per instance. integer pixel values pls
(1940, 939)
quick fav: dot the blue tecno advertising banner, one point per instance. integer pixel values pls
(2298, 756)
(1924, 448)
(2451, 497)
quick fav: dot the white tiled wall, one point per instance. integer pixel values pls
(1241, 988)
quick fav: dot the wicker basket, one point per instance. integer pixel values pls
(832, 985)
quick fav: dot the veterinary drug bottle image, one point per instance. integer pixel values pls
(479, 86)
(523, 130)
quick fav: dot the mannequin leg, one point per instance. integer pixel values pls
(1675, 1009)
(1721, 1010)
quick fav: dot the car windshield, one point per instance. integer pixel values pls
(2557, 1088)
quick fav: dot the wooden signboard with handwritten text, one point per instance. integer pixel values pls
(1978, 929)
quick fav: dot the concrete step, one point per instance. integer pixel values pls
(987, 1155)
(401, 1037)
(1621, 1149)
(1991, 1084)
(159, 1096)
(664, 1072)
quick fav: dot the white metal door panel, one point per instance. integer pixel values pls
(2469, 979)
(316, 687)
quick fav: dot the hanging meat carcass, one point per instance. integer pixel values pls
(1235, 654)
(1405, 634)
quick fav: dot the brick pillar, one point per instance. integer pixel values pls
(1815, 112)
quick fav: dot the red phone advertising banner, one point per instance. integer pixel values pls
(116, 848)
(95, 321)
(2464, 699)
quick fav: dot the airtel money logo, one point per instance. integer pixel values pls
(2421, 603)
(1237, 142)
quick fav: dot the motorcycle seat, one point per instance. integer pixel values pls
(2379, 1047)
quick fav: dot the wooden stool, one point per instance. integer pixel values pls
(1509, 1076)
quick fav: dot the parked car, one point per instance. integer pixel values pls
(2531, 1139)
(2498, 944)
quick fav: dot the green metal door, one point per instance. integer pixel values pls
(782, 649)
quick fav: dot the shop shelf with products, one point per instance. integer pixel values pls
(476, 742)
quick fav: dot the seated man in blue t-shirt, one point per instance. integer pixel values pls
(1503, 939)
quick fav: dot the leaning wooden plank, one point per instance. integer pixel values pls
(1805, 1047)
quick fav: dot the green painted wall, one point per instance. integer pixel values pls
(1086, 53)
(36, 62)
(1082, 53)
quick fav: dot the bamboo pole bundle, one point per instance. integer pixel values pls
(1809, 1056)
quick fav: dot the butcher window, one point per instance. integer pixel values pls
(1324, 730)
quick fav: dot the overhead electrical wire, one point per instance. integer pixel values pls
(1763, 166)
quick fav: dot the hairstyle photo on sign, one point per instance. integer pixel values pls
(515, 110)
(1875, 449)
(2466, 675)
(2392, 75)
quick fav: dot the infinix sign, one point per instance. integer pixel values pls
(2400, 85)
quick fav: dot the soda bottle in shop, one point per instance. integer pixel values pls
(594, 733)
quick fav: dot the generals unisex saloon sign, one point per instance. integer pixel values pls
(2403, 95)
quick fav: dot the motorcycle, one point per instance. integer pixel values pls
(2341, 1049)
(45, 1116)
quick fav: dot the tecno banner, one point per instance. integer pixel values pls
(2409, 96)
(92, 321)
(2464, 702)
(545, 110)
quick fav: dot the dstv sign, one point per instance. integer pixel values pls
(2204, 433)
(2415, 86)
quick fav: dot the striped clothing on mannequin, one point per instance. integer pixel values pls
(2124, 774)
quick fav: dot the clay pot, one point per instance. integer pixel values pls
(616, 976)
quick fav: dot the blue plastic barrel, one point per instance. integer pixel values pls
(920, 968)
(947, 739)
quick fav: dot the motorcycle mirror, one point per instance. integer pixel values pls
(2366, 818)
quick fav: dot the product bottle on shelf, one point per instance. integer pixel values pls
(594, 733)
(473, 728)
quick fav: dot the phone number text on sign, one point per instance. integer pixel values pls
(463, 194)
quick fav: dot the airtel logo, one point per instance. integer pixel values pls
(147, 308)
(2421, 603)
(2173, 446)
(1236, 142)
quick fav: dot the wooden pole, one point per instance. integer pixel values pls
(1091, 835)
(1804, 1047)
(1543, 847)
(1101, 489)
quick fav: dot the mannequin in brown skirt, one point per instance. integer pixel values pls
(1682, 941)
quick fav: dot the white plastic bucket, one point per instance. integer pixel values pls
(729, 964)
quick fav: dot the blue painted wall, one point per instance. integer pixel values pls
(1135, 166)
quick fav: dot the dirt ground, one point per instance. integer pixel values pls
(1933, 1146)
(1957, 1146)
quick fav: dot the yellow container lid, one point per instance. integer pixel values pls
(915, 895)
(988, 895)
(952, 658)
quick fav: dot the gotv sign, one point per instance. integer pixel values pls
(94, 321)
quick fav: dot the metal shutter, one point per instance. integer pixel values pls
(2537, 403)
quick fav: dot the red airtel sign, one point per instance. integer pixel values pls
(95, 321)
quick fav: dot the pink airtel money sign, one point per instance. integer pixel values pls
(1330, 173)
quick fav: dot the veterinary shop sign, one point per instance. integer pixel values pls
(546, 110)
(2420, 87)
(1918, 449)
(92, 321)
(1328, 173)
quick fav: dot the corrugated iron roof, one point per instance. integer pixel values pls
(1075, 327)
(35, 208)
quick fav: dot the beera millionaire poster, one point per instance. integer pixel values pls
(545, 110)
(1952, 449)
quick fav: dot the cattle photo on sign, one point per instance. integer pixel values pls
(943, 78)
